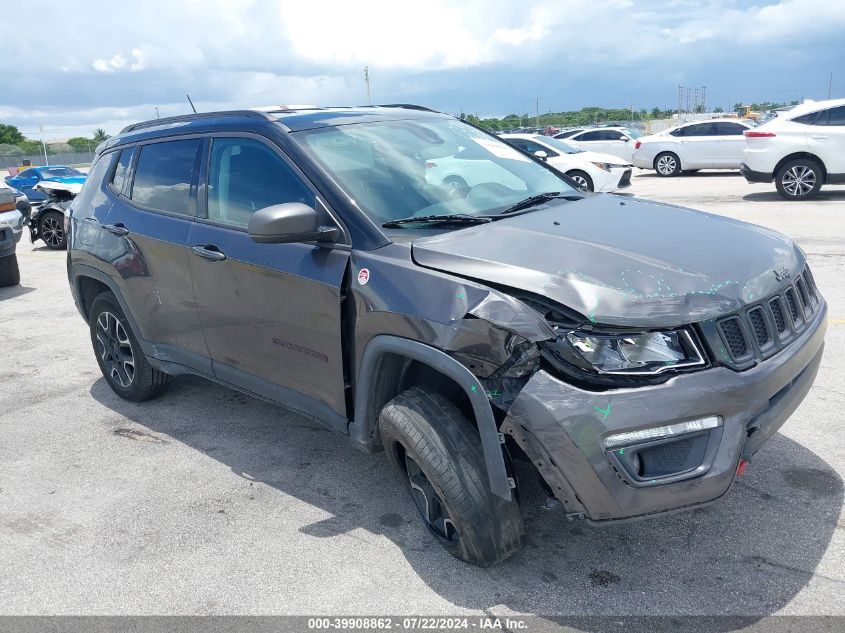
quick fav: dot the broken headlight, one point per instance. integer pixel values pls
(642, 353)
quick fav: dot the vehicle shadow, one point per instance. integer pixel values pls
(748, 555)
(10, 292)
(691, 174)
(774, 196)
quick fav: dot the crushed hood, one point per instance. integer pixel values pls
(621, 261)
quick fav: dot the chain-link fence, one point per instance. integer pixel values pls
(58, 158)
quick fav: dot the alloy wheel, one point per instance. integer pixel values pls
(429, 503)
(582, 183)
(52, 231)
(115, 349)
(798, 180)
(666, 165)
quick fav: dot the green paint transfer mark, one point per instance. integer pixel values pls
(462, 295)
(493, 394)
(606, 412)
(621, 451)
(474, 389)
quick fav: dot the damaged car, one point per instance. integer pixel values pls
(47, 221)
(635, 354)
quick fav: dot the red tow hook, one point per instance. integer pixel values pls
(740, 469)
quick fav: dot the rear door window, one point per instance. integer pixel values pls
(246, 175)
(729, 129)
(164, 176)
(596, 135)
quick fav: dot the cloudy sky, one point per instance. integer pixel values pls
(92, 64)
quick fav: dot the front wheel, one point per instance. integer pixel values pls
(119, 354)
(51, 229)
(437, 453)
(667, 164)
(799, 179)
(582, 179)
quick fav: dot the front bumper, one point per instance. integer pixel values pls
(11, 229)
(561, 428)
(617, 178)
(754, 176)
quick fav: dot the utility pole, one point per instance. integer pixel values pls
(158, 116)
(367, 81)
(538, 111)
(704, 98)
(680, 101)
(829, 85)
(43, 145)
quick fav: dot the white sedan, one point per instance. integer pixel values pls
(618, 141)
(692, 146)
(590, 170)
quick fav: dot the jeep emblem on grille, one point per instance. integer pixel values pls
(781, 273)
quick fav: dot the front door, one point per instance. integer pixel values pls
(697, 146)
(271, 313)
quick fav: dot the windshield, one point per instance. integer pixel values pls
(561, 146)
(436, 166)
(60, 172)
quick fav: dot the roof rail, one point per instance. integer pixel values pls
(194, 117)
(407, 106)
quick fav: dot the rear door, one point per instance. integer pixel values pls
(826, 139)
(143, 245)
(590, 140)
(730, 143)
(271, 313)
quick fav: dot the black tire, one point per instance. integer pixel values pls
(455, 182)
(687, 172)
(51, 230)
(116, 347)
(667, 164)
(585, 183)
(799, 179)
(437, 452)
(10, 274)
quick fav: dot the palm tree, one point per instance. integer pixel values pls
(100, 135)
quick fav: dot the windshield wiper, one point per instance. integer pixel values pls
(538, 199)
(437, 219)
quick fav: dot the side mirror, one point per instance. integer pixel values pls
(287, 223)
(625, 139)
(541, 154)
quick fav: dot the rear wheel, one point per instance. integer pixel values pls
(10, 274)
(51, 230)
(582, 179)
(799, 179)
(667, 164)
(437, 453)
(119, 355)
(454, 182)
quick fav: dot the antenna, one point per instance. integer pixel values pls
(192, 104)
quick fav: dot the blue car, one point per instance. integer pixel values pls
(26, 180)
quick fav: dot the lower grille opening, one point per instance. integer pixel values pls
(662, 458)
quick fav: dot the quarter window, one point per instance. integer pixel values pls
(246, 175)
(164, 175)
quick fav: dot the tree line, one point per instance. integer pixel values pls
(14, 143)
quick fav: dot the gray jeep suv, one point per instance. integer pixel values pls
(635, 354)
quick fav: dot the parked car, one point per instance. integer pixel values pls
(303, 257)
(590, 170)
(800, 149)
(11, 229)
(26, 180)
(688, 147)
(47, 222)
(617, 141)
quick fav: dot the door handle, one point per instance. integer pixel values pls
(116, 229)
(209, 252)
(818, 137)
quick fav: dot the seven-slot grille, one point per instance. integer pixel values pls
(765, 328)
